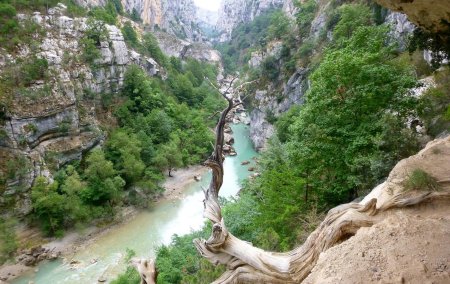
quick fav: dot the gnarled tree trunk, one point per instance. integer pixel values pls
(248, 264)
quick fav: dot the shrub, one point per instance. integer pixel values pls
(421, 180)
(151, 47)
(33, 69)
(8, 242)
(130, 35)
(270, 68)
(351, 16)
(305, 15)
(95, 34)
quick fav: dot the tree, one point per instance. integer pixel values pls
(351, 16)
(125, 151)
(130, 35)
(168, 156)
(48, 205)
(104, 185)
(279, 26)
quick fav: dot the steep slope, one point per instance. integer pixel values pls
(56, 119)
(275, 98)
(176, 17)
(432, 15)
(405, 246)
(234, 12)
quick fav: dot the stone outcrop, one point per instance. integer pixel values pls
(235, 12)
(173, 46)
(268, 106)
(401, 28)
(405, 245)
(432, 15)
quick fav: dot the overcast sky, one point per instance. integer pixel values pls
(208, 4)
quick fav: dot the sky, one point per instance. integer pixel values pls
(212, 5)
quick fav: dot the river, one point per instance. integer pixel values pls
(149, 229)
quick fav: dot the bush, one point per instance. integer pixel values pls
(421, 180)
(150, 46)
(130, 35)
(95, 34)
(33, 69)
(305, 15)
(270, 68)
(8, 241)
(351, 16)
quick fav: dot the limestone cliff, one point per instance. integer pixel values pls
(177, 17)
(272, 100)
(433, 15)
(56, 120)
(234, 12)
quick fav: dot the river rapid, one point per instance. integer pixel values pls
(149, 228)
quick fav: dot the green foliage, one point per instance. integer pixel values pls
(33, 69)
(437, 43)
(150, 47)
(131, 275)
(95, 34)
(48, 205)
(8, 241)
(421, 180)
(74, 10)
(181, 263)
(135, 16)
(351, 16)
(168, 157)
(124, 150)
(434, 105)
(270, 68)
(108, 13)
(243, 38)
(104, 185)
(279, 26)
(305, 14)
(337, 134)
(130, 35)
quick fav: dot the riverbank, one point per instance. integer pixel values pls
(66, 247)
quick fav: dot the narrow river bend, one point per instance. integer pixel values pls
(149, 228)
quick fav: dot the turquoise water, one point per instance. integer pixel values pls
(149, 228)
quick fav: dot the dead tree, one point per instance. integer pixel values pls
(248, 264)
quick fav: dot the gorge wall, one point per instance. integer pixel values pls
(271, 100)
(56, 119)
(176, 17)
(234, 12)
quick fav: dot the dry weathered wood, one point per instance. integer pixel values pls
(147, 270)
(248, 264)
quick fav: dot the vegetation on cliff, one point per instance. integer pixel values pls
(154, 125)
(332, 149)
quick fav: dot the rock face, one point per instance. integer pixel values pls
(401, 28)
(289, 8)
(272, 101)
(235, 12)
(173, 46)
(268, 106)
(432, 15)
(56, 120)
(177, 17)
(407, 245)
